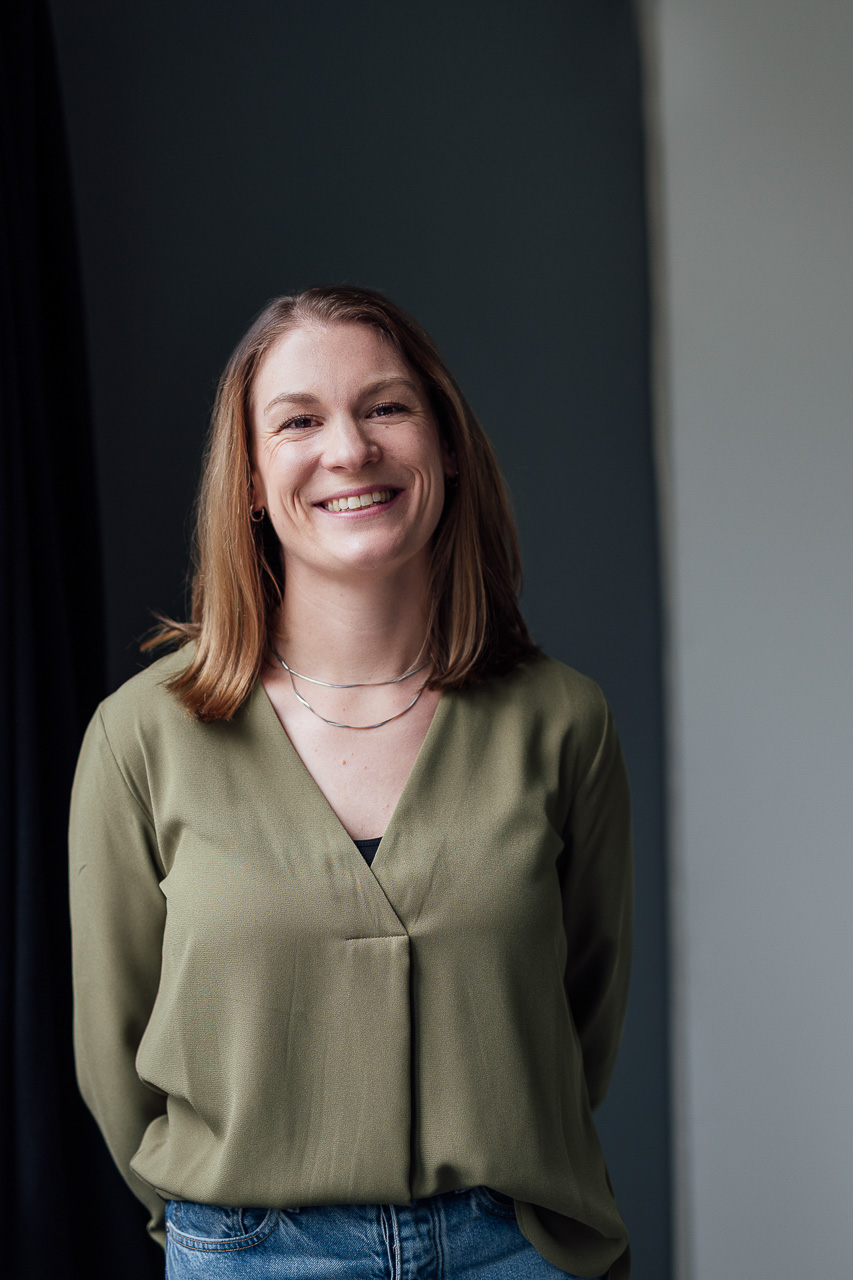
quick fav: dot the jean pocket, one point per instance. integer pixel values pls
(217, 1228)
(495, 1201)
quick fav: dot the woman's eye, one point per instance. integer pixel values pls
(300, 423)
(383, 410)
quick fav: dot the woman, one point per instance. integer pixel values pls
(351, 870)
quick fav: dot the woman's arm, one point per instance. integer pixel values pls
(118, 915)
(597, 888)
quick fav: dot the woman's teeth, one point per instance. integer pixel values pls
(363, 500)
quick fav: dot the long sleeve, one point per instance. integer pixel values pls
(118, 916)
(598, 907)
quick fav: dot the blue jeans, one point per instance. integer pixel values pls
(461, 1234)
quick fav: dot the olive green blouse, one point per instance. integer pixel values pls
(262, 1019)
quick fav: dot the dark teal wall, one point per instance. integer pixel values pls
(482, 162)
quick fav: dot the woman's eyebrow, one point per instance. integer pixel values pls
(306, 397)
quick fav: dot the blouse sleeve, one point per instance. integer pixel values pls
(117, 919)
(598, 907)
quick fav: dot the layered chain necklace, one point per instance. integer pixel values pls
(364, 684)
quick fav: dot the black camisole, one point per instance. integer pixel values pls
(367, 848)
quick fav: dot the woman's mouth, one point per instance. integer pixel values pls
(376, 498)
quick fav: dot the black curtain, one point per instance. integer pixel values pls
(67, 1212)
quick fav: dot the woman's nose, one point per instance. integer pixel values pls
(349, 445)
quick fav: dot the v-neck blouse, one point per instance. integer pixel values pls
(262, 1018)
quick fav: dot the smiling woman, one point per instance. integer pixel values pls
(351, 869)
(315, 472)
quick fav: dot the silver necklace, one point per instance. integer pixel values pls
(365, 684)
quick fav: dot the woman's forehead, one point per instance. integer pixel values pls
(327, 360)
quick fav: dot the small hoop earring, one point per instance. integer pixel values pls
(258, 515)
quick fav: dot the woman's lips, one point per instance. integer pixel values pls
(360, 501)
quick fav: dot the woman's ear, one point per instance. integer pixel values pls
(257, 500)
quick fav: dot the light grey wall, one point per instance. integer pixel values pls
(755, 107)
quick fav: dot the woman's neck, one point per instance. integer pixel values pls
(367, 628)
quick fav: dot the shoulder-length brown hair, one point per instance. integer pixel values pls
(475, 626)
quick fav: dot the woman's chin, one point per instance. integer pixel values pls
(368, 560)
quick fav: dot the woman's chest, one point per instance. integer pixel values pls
(360, 773)
(254, 826)
(473, 865)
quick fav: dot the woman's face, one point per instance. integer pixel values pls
(346, 454)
